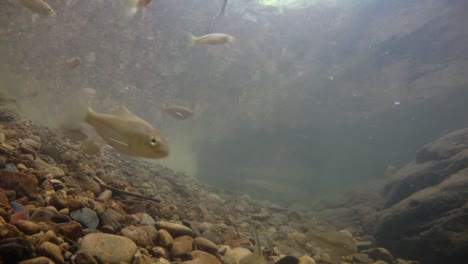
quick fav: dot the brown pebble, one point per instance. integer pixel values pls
(205, 245)
(28, 227)
(38, 260)
(182, 245)
(105, 196)
(164, 239)
(72, 230)
(82, 257)
(51, 251)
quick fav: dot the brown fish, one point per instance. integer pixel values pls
(39, 7)
(74, 132)
(128, 133)
(178, 112)
(72, 63)
(338, 242)
(257, 256)
(211, 39)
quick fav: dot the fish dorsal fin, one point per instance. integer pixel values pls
(123, 111)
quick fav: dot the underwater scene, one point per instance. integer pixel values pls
(234, 131)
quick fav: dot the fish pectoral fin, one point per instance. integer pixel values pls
(119, 142)
(179, 114)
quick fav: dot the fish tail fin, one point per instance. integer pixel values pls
(76, 111)
(132, 8)
(192, 40)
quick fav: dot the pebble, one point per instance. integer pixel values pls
(288, 260)
(28, 227)
(32, 143)
(201, 257)
(142, 235)
(13, 250)
(146, 219)
(87, 217)
(82, 257)
(164, 239)
(23, 184)
(175, 229)
(234, 255)
(360, 258)
(109, 248)
(105, 196)
(182, 245)
(51, 251)
(85, 183)
(205, 245)
(306, 260)
(42, 215)
(379, 253)
(23, 215)
(72, 230)
(38, 260)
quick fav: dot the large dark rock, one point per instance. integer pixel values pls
(425, 212)
(434, 163)
(430, 223)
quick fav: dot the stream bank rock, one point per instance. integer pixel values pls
(426, 211)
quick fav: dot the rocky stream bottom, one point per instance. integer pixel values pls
(60, 205)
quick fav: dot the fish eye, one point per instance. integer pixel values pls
(345, 245)
(153, 142)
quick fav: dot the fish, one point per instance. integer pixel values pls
(221, 11)
(39, 7)
(128, 133)
(211, 39)
(138, 5)
(338, 242)
(178, 112)
(256, 257)
(73, 132)
(89, 93)
(90, 147)
(72, 63)
(6, 99)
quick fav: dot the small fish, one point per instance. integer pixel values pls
(221, 11)
(74, 132)
(9, 100)
(178, 112)
(211, 39)
(89, 93)
(72, 63)
(338, 242)
(128, 133)
(138, 5)
(39, 7)
(256, 257)
(90, 147)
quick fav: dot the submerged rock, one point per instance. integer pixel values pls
(109, 248)
(143, 236)
(13, 250)
(426, 211)
(87, 217)
(23, 184)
